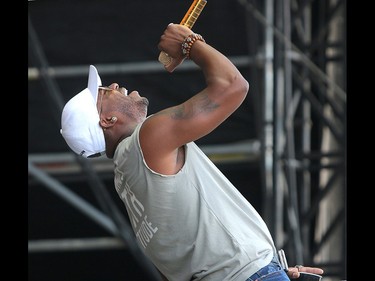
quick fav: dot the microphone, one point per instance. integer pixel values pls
(188, 20)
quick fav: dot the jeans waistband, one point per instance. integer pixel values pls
(273, 266)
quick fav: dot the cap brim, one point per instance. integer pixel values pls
(94, 82)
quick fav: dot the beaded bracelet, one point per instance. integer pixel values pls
(188, 43)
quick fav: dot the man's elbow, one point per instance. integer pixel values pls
(241, 86)
(245, 86)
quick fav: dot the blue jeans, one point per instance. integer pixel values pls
(271, 272)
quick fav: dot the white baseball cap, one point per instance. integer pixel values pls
(80, 120)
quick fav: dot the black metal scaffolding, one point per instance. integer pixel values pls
(302, 126)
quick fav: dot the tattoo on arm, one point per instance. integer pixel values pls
(201, 104)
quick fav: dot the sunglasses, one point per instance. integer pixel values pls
(105, 88)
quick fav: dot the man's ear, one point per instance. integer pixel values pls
(108, 122)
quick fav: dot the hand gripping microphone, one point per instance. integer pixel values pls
(188, 20)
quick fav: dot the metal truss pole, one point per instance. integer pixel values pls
(303, 132)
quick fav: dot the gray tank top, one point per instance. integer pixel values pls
(194, 225)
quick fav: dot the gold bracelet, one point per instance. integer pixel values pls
(188, 43)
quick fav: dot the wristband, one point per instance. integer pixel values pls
(188, 43)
